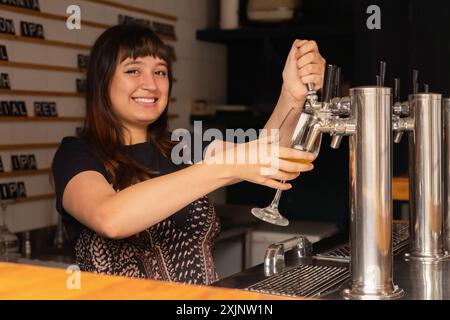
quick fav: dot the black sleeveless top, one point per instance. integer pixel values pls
(178, 249)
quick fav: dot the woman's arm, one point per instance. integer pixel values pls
(304, 65)
(92, 201)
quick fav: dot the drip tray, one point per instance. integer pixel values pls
(400, 236)
(303, 281)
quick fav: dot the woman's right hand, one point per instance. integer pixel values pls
(259, 162)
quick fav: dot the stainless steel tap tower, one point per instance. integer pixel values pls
(446, 103)
(421, 117)
(367, 118)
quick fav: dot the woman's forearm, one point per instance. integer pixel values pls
(285, 116)
(147, 203)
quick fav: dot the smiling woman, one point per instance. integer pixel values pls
(139, 92)
(128, 208)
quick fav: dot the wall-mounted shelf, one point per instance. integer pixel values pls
(36, 172)
(57, 17)
(259, 33)
(135, 9)
(20, 92)
(34, 198)
(43, 119)
(55, 119)
(47, 67)
(46, 15)
(25, 146)
(44, 42)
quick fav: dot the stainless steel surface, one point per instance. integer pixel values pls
(311, 95)
(400, 237)
(446, 151)
(426, 187)
(371, 196)
(419, 280)
(274, 257)
(432, 280)
(305, 280)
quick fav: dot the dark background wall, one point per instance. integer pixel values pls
(413, 34)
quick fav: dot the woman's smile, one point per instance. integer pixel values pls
(146, 102)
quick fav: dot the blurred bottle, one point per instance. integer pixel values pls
(9, 241)
(229, 14)
(59, 239)
(26, 250)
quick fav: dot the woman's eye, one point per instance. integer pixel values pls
(132, 71)
(161, 73)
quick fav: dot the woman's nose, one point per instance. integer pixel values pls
(149, 82)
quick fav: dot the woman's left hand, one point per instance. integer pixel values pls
(303, 65)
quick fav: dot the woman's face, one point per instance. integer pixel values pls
(139, 90)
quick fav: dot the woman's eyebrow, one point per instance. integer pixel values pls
(136, 62)
(129, 63)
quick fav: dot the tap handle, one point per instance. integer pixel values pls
(337, 83)
(311, 96)
(382, 74)
(415, 78)
(426, 88)
(397, 97)
(328, 83)
(310, 87)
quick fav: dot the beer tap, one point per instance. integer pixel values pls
(333, 115)
(400, 121)
(315, 110)
(421, 118)
(366, 117)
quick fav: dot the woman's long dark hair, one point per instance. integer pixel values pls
(103, 129)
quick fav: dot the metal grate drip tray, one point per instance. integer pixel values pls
(303, 281)
(400, 238)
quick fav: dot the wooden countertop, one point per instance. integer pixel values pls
(18, 281)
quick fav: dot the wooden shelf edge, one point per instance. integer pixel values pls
(22, 173)
(47, 93)
(26, 65)
(40, 93)
(135, 9)
(43, 119)
(56, 119)
(54, 43)
(34, 198)
(25, 146)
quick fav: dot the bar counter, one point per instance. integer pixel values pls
(18, 281)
